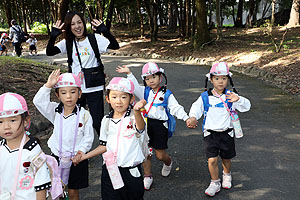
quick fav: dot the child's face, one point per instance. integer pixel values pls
(12, 127)
(153, 81)
(68, 96)
(119, 101)
(219, 82)
(77, 26)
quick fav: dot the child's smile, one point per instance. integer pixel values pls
(119, 101)
(153, 81)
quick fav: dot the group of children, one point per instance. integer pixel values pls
(124, 133)
(32, 42)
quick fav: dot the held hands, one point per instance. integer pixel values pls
(139, 105)
(191, 122)
(80, 156)
(232, 97)
(123, 69)
(53, 78)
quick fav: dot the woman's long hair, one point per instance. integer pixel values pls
(68, 35)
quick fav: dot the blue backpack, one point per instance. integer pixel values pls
(171, 119)
(206, 105)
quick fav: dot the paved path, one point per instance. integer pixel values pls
(267, 165)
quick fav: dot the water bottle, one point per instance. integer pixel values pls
(235, 121)
(113, 170)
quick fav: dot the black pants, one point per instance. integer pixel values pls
(18, 48)
(133, 186)
(94, 100)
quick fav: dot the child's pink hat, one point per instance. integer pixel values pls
(68, 80)
(4, 34)
(219, 69)
(150, 68)
(12, 104)
(121, 84)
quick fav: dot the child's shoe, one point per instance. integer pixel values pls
(226, 183)
(30, 54)
(213, 188)
(166, 170)
(148, 180)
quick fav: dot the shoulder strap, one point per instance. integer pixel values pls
(229, 104)
(146, 93)
(166, 98)
(69, 46)
(204, 96)
(94, 44)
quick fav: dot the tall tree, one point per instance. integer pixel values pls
(24, 15)
(7, 7)
(294, 15)
(251, 13)
(202, 35)
(151, 9)
(62, 8)
(188, 18)
(239, 16)
(273, 12)
(218, 20)
(141, 17)
(110, 14)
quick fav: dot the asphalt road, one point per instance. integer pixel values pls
(267, 165)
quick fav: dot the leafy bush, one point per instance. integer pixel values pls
(39, 28)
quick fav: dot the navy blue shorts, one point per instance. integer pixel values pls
(219, 144)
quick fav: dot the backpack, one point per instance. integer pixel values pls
(20, 34)
(171, 119)
(93, 43)
(206, 105)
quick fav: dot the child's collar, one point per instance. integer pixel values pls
(211, 94)
(60, 106)
(111, 113)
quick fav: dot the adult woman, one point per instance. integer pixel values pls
(13, 35)
(82, 57)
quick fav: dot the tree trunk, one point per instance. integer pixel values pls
(110, 14)
(181, 17)
(62, 9)
(294, 15)
(151, 19)
(160, 12)
(239, 17)
(251, 12)
(193, 18)
(24, 16)
(188, 18)
(45, 15)
(202, 35)
(141, 17)
(273, 12)
(177, 14)
(210, 15)
(7, 6)
(99, 10)
(218, 20)
(170, 24)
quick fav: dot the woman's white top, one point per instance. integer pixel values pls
(85, 135)
(129, 151)
(218, 118)
(158, 112)
(29, 181)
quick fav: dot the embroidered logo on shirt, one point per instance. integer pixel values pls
(26, 183)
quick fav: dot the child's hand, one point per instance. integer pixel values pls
(191, 122)
(123, 69)
(53, 78)
(140, 105)
(78, 158)
(232, 97)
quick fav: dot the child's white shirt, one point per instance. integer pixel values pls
(87, 57)
(29, 181)
(31, 41)
(158, 112)
(129, 150)
(85, 135)
(218, 118)
(3, 41)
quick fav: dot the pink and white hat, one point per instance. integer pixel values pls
(121, 84)
(68, 80)
(151, 68)
(4, 34)
(12, 104)
(219, 69)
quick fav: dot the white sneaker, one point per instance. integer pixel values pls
(226, 183)
(213, 188)
(13, 54)
(30, 54)
(166, 170)
(148, 182)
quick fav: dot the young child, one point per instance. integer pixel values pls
(218, 131)
(32, 41)
(156, 115)
(19, 178)
(3, 40)
(121, 133)
(73, 131)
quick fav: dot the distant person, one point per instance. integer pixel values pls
(161, 104)
(83, 51)
(32, 41)
(3, 41)
(15, 33)
(216, 105)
